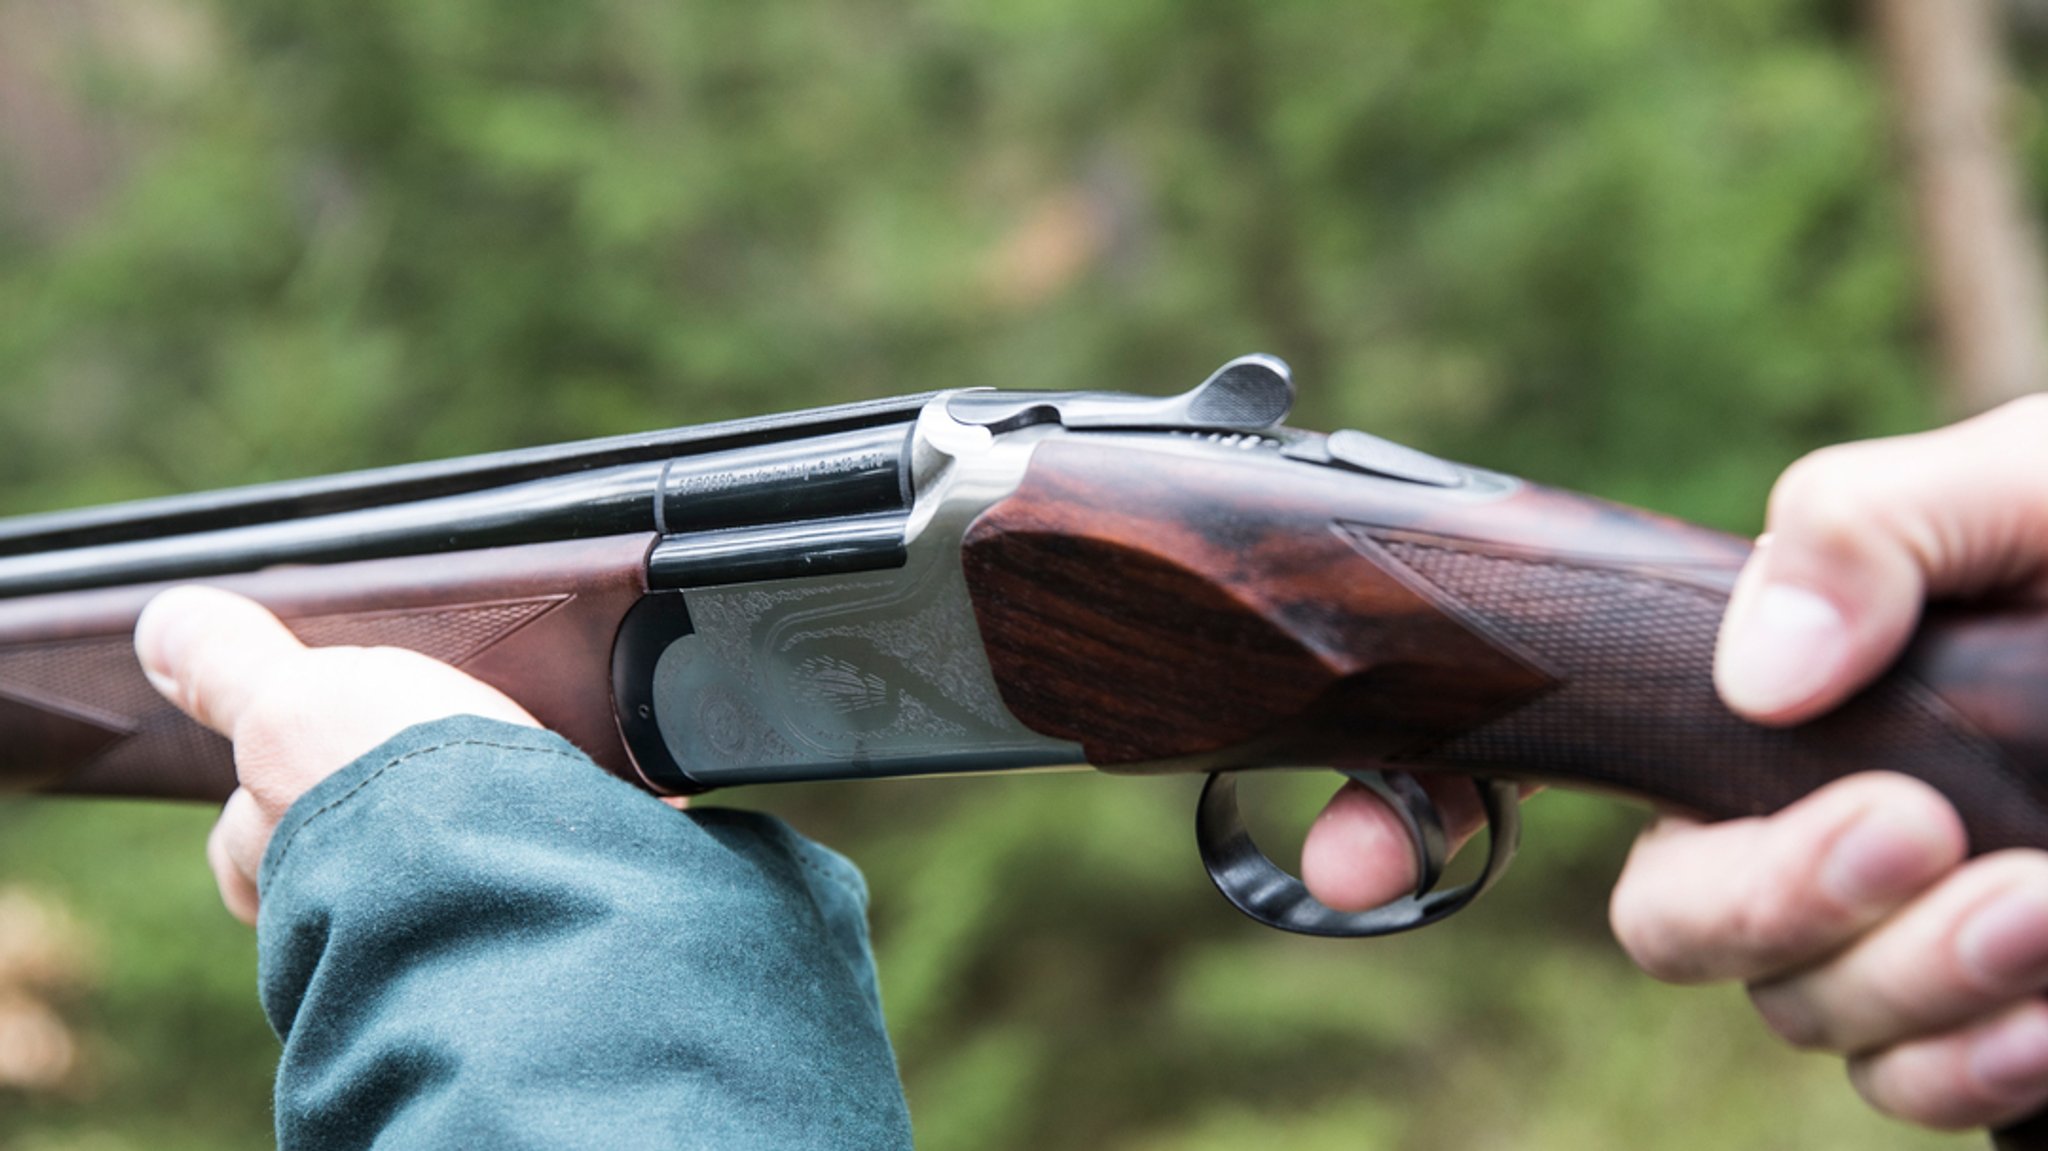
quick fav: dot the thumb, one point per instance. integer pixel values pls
(1860, 535)
(210, 652)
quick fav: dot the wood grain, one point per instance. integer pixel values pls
(537, 622)
(1175, 608)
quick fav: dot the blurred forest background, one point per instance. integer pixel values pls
(1654, 249)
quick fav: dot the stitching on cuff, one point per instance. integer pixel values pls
(802, 850)
(284, 849)
(858, 896)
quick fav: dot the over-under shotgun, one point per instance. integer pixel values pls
(985, 580)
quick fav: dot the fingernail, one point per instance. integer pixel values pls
(1788, 1012)
(2005, 942)
(161, 638)
(164, 685)
(2012, 1061)
(1786, 646)
(1881, 859)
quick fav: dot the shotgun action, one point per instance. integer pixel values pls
(978, 580)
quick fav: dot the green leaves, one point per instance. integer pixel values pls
(1649, 248)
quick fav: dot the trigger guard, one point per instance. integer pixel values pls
(1258, 887)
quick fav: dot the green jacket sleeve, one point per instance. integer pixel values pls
(472, 937)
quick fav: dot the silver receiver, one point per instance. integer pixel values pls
(864, 673)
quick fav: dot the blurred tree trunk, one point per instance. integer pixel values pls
(1979, 243)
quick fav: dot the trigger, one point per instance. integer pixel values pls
(1418, 815)
(1258, 887)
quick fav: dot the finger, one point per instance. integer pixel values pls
(1755, 898)
(1358, 855)
(1859, 535)
(229, 853)
(1986, 1076)
(323, 708)
(208, 652)
(1970, 947)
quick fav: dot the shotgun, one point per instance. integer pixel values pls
(985, 580)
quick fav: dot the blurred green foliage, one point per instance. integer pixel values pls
(1648, 248)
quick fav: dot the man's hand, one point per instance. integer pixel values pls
(296, 714)
(1851, 915)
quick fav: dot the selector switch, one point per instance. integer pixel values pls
(1372, 455)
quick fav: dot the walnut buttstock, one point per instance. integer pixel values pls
(1169, 608)
(537, 622)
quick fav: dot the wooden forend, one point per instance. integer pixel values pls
(537, 622)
